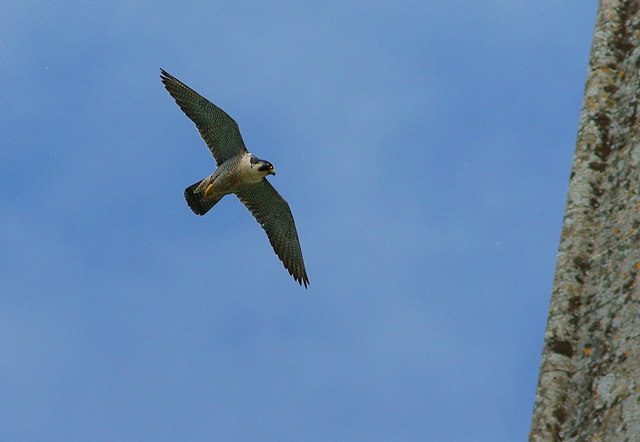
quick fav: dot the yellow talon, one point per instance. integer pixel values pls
(209, 190)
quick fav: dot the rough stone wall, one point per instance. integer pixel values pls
(589, 385)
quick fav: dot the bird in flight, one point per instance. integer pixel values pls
(239, 172)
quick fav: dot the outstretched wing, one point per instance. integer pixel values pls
(274, 215)
(217, 129)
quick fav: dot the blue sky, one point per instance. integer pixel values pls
(424, 147)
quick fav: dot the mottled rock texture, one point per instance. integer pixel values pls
(589, 385)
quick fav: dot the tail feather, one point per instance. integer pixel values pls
(197, 201)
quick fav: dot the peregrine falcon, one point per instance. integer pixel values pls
(239, 172)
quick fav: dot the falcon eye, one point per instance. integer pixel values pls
(265, 168)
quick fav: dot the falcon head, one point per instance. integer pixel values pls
(264, 167)
(267, 168)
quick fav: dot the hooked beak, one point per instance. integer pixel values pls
(272, 171)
